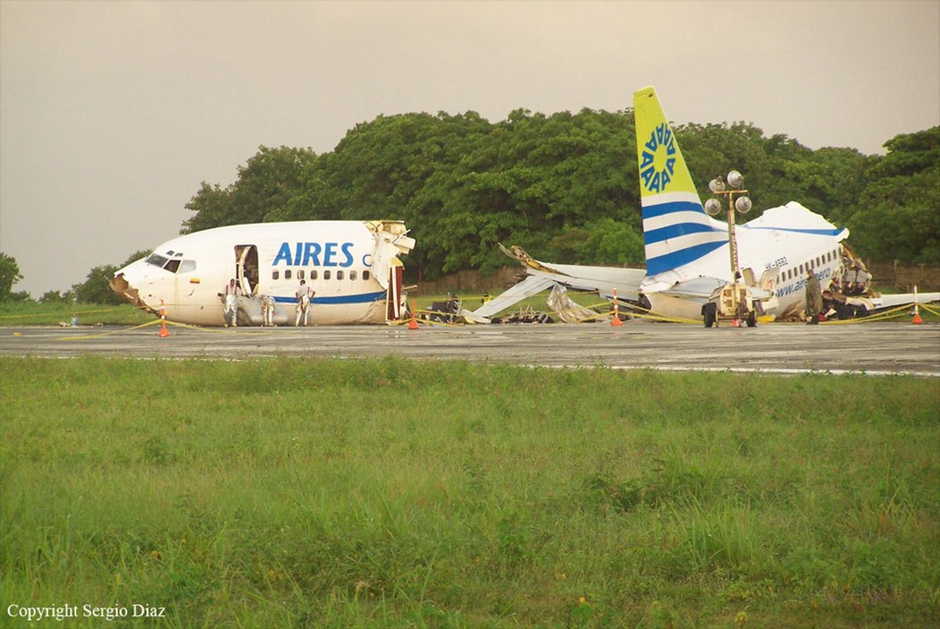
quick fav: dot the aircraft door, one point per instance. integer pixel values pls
(769, 278)
(394, 296)
(246, 268)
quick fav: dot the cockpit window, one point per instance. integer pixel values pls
(173, 266)
(157, 260)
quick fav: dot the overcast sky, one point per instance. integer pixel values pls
(112, 113)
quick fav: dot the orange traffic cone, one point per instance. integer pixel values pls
(916, 320)
(164, 333)
(616, 322)
(413, 325)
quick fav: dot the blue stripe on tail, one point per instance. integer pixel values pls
(675, 259)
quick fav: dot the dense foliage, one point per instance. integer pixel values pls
(9, 275)
(565, 186)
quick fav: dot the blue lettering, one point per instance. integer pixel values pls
(648, 176)
(308, 254)
(347, 255)
(312, 254)
(283, 254)
(654, 186)
(330, 254)
(666, 178)
(367, 260)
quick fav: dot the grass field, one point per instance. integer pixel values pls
(390, 493)
(32, 313)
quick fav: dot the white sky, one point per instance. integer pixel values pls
(112, 113)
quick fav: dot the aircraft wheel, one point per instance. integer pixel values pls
(710, 314)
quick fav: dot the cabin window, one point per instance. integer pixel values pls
(326, 275)
(275, 275)
(287, 274)
(339, 275)
(313, 274)
(365, 275)
(300, 274)
(353, 275)
(187, 266)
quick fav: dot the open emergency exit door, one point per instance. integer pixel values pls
(393, 310)
(246, 268)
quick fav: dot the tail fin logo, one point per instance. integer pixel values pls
(659, 160)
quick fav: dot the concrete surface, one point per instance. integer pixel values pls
(873, 348)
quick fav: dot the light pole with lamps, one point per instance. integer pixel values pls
(742, 204)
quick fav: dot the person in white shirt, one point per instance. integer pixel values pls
(304, 297)
(230, 304)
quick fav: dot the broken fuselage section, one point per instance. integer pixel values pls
(352, 267)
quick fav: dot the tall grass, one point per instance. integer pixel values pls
(290, 492)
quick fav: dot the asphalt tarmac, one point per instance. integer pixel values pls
(871, 348)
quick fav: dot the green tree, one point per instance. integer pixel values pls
(9, 275)
(565, 186)
(96, 288)
(55, 297)
(265, 184)
(896, 216)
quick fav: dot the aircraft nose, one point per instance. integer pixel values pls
(126, 284)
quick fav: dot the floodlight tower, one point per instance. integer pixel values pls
(742, 204)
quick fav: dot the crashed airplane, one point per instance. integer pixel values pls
(687, 251)
(352, 268)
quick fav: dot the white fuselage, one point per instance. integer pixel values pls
(346, 263)
(775, 249)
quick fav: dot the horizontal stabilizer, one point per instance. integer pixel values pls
(697, 288)
(890, 301)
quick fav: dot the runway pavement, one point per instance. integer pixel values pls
(873, 348)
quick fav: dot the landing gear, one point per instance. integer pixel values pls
(710, 314)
